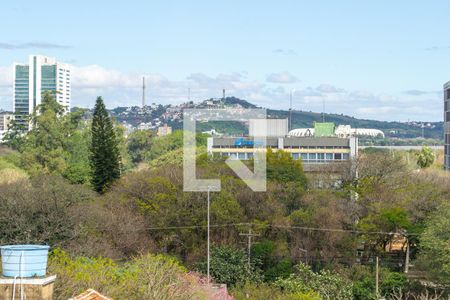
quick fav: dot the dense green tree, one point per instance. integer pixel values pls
(164, 144)
(14, 137)
(138, 144)
(425, 158)
(57, 142)
(435, 245)
(272, 266)
(229, 266)
(105, 156)
(282, 168)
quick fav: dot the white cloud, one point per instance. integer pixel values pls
(32, 45)
(328, 88)
(6, 76)
(282, 77)
(124, 89)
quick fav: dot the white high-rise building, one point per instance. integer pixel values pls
(31, 80)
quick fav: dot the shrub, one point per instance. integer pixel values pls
(39, 210)
(328, 285)
(230, 266)
(145, 277)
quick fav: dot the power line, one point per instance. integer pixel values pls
(332, 230)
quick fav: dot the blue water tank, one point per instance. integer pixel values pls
(24, 260)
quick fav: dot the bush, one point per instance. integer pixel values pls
(272, 267)
(328, 285)
(230, 266)
(39, 210)
(266, 291)
(363, 278)
(145, 277)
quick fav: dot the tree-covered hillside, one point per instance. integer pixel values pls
(156, 115)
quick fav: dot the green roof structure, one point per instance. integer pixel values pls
(323, 129)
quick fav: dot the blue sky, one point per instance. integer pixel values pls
(381, 60)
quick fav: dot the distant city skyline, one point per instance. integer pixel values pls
(376, 60)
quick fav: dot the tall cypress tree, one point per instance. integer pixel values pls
(105, 156)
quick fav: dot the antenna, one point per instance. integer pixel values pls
(223, 94)
(290, 109)
(143, 91)
(323, 110)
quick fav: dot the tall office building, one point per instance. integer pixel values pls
(447, 126)
(31, 80)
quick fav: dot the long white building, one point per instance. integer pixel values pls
(343, 131)
(31, 80)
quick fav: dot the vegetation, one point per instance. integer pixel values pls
(139, 143)
(56, 143)
(105, 155)
(325, 283)
(144, 277)
(230, 266)
(317, 234)
(435, 241)
(425, 157)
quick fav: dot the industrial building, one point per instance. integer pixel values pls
(447, 126)
(322, 148)
(31, 80)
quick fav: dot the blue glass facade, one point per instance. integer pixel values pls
(21, 91)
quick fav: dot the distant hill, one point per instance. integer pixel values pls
(150, 117)
(304, 119)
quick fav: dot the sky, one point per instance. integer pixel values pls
(384, 60)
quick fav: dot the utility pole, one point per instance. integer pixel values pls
(249, 235)
(407, 256)
(377, 292)
(208, 243)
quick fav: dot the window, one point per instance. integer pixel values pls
(241, 155)
(345, 156)
(295, 156)
(321, 156)
(337, 156)
(249, 155)
(304, 156)
(329, 156)
(312, 156)
(447, 94)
